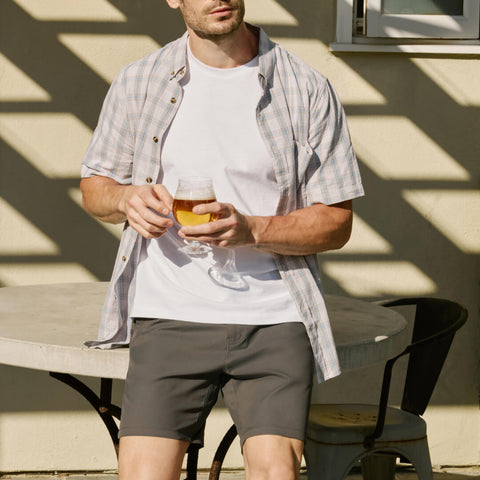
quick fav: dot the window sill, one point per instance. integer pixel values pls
(437, 49)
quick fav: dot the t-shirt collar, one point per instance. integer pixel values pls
(265, 51)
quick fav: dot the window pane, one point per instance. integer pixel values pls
(423, 7)
(359, 8)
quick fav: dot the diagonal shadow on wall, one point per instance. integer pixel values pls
(76, 88)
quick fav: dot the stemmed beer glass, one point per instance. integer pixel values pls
(192, 191)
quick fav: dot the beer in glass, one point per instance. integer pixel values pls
(192, 191)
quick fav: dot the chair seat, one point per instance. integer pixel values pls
(351, 423)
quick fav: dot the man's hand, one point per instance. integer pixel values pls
(144, 206)
(230, 229)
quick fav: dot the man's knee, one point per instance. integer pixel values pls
(273, 471)
(272, 457)
(150, 458)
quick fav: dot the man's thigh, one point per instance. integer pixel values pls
(172, 381)
(176, 369)
(270, 375)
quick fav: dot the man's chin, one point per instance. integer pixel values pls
(218, 31)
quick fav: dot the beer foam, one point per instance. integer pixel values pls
(200, 194)
(195, 188)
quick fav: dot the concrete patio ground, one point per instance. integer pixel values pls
(452, 473)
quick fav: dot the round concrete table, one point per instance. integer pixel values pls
(43, 327)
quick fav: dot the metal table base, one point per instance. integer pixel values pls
(102, 404)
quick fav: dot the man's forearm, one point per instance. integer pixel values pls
(102, 197)
(306, 231)
(145, 207)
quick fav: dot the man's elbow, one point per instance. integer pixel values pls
(343, 239)
(93, 193)
(86, 191)
(343, 233)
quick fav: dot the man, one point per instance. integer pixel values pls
(222, 101)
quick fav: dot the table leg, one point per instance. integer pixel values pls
(103, 406)
(192, 462)
(221, 452)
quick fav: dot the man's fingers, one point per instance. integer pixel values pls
(150, 202)
(211, 228)
(155, 197)
(147, 233)
(230, 230)
(146, 221)
(164, 196)
(157, 205)
(148, 230)
(152, 217)
(219, 209)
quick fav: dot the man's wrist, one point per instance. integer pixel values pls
(258, 229)
(122, 194)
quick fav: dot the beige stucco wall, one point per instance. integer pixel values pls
(414, 123)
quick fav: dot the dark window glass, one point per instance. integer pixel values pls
(423, 7)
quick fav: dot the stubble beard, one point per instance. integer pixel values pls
(223, 27)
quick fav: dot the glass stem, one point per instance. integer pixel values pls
(230, 266)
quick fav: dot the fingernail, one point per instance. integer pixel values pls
(165, 211)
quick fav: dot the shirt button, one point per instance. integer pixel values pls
(148, 179)
(173, 100)
(124, 258)
(155, 139)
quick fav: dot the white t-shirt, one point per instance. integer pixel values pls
(215, 134)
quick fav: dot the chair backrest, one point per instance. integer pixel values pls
(436, 322)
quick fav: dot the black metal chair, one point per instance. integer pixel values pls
(339, 436)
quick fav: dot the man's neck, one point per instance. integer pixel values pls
(229, 51)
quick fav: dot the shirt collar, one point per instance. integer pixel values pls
(265, 51)
(266, 57)
(179, 60)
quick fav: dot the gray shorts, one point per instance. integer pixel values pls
(177, 369)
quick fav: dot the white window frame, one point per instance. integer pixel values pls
(392, 35)
(432, 26)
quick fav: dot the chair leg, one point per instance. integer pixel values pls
(332, 462)
(419, 455)
(379, 466)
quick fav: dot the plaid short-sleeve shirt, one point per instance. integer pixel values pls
(303, 125)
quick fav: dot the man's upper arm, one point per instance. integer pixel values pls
(332, 174)
(110, 152)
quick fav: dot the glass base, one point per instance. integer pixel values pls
(227, 279)
(195, 248)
